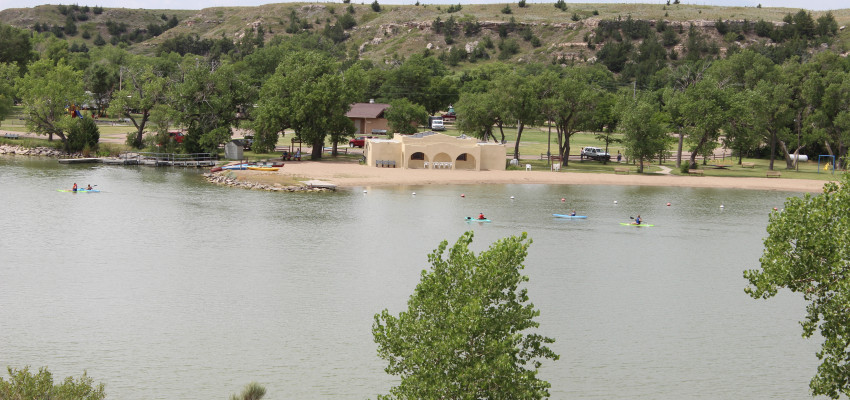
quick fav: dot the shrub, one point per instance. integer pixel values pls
(507, 9)
(561, 5)
(521, 4)
(375, 6)
(83, 133)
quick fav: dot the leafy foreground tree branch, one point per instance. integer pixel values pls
(23, 385)
(465, 332)
(808, 252)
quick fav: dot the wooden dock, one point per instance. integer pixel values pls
(198, 160)
(79, 160)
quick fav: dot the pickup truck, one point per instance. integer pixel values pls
(359, 141)
(595, 153)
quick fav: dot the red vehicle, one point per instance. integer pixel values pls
(359, 141)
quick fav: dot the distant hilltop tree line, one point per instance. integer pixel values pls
(239, 79)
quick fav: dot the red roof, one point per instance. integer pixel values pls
(367, 110)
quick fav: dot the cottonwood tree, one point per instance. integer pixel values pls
(643, 134)
(206, 97)
(309, 93)
(807, 251)
(520, 94)
(46, 91)
(477, 113)
(467, 332)
(403, 116)
(142, 88)
(8, 73)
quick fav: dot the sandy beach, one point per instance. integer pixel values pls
(349, 175)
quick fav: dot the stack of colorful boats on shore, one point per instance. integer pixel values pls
(256, 166)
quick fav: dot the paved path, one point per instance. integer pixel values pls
(664, 170)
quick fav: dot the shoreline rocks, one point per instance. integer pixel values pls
(220, 179)
(7, 149)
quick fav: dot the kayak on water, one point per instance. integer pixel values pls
(78, 190)
(570, 216)
(235, 166)
(470, 219)
(634, 224)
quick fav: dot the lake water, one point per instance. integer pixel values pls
(165, 287)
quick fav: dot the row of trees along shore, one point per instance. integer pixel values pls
(755, 101)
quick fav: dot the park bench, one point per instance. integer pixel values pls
(695, 172)
(748, 165)
(624, 170)
(11, 136)
(773, 174)
(553, 157)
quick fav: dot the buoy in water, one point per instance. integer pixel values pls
(615, 201)
(364, 191)
(721, 206)
(512, 197)
(414, 193)
(462, 195)
(775, 209)
(668, 204)
(563, 199)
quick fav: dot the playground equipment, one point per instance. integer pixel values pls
(830, 162)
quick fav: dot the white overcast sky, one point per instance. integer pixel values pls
(198, 4)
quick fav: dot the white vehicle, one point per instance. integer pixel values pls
(437, 124)
(595, 153)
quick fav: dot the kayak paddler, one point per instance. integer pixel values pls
(637, 220)
(481, 216)
(74, 189)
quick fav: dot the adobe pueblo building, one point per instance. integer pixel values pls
(431, 150)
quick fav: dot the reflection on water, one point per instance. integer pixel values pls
(163, 286)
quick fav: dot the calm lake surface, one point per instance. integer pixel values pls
(166, 287)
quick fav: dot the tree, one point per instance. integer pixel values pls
(807, 251)
(15, 46)
(143, 88)
(420, 80)
(252, 391)
(477, 113)
(404, 116)
(46, 91)
(644, 136)
(466, 331)
(8, 73)
(24, 385)
(309, 93)
(520, 94)
(207, 97)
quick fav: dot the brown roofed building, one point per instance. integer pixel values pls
(368, 118)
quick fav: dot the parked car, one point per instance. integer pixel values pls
(247, 142)
(359, 141)
(595, 153)
(436, 123)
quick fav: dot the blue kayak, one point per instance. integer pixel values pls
(78, 191)
(470, 219)
(570, 216)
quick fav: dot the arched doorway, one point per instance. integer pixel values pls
(442, 161)
(417, 160)
(465, 161)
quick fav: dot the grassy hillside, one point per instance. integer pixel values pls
(397, 31)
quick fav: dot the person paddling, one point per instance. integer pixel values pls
(88, 187)
(637, 220)
(74, 189)
(481, 216)
(573, 213)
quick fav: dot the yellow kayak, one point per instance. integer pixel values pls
(264, 168)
